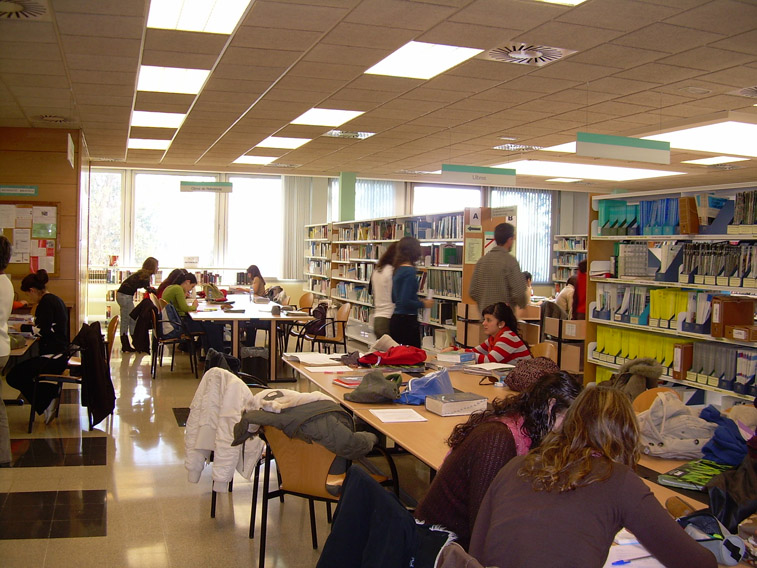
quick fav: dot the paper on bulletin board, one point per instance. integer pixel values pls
(23, 217)
(21, 241)
(48, 263)
(44, 223)
(473, 250)
(19, 257)
(489, 242)
(7, 216)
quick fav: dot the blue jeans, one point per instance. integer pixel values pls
(126, 303)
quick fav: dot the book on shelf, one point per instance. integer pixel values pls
(456, 356)
(455, 404)
(692, 475)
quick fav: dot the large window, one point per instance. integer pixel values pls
(429, 199)
(373, 198)
(105, 220)
(170, 224)
(534, 227)
(255, 221)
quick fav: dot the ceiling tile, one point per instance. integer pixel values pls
(619, 86)
(178, 59)
(226, 70)
(534, 84)
(399, 14)
(259, 57)
(353, 34)
(744, 43)
(656, 72)
(152, 133)
(571, 71)
(107, 7)
(24, 80)
(280, 15)
(739, 76)
(469, 35)
(464, 84)
(331, 71)
(720, 16)
(101, 63)
(30, 51)
(708, 58)
(36, 67)
(104, 77)
(622, 15)
(184, 42)
(667, 38)
(98, 25)
(566, 36)
(236, 86)
(268, 38)
(28, 32)
(494, 70)
(614, 55)
(517, 15)
(102, 46)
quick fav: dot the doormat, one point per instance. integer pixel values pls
(181, 415)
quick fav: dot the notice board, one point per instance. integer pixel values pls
(32, 229)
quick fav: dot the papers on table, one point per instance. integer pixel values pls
(397, 415)
(488, 368)
(631, 552)
(312, 358)
(331, 370)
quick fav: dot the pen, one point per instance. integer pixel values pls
(628, 561)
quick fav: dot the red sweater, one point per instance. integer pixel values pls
(505, 347)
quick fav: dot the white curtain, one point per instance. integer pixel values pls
(374, 198)
(296, 216)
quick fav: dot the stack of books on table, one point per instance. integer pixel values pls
(489, 369)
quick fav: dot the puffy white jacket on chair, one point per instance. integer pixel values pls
(218, 404)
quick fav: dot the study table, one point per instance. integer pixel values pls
(244, 309)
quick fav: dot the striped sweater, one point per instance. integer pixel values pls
(505, 347)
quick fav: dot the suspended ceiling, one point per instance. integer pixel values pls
(639, 65)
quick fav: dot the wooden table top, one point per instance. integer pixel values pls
(252, 310)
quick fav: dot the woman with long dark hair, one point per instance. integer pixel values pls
(381, 290)
(256, 280)
(403, 327)
(504, 344)
(563, 503)
(486, 442)
(125, 298)
(173, 277)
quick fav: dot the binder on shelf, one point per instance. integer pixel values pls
(730, 310)
(682, 359)
(719, 225)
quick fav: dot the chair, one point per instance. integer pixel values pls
(646, 398)
(112, 326)
(546, 349)
(159, 342)
(293, 328)
(337, 334)
(97, 392)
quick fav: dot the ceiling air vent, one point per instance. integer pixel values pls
(24, 10)
(349, 134)
(749, 92)
(53, 118)
(525, 54)
(284, 166)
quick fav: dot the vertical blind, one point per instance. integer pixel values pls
(534, 227)
(296, 215)
(373, 198)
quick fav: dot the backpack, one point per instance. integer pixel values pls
(274, 292)
(171, 325)
(316, 326)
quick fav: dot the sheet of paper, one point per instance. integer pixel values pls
(474, 248)
(332, 369)
(7, 216)
(22, 240)
(23, 217)
(628, 552)
(493, 366)
(47, 263)
(397, 415)
(313, 358)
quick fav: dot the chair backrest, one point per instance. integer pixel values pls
(646, 398)
(342, 315)
(546, 349)
(112, 325)
(306, 302)
(304, 467)
(155, 300)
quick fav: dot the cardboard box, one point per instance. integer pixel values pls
(688, 216)
(741, 332)
(468, 311)
(572, 357)
(530, 332)
(573, 329)
(730, 310)
(475, 333)
(552, 326)
(530, 312)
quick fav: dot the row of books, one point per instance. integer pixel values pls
(444, 254)
(352, 291)
(745, 208)
(319, 232)
(318, 267)
(446, 283)
(317, 249)
(571, 243)
(441, 313)
(318, 285)
(648, 217)
(360, 313)
(729, 367)
(372, 251)
(562, 273)
(720, 260)
(617, 345)
(108, 275)
(357, 271)
(570, 258)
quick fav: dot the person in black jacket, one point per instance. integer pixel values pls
(51, 324)
(125, 298)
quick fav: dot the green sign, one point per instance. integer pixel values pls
(18, 190)
(210, 186)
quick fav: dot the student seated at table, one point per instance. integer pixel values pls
(176, 295)
(172, 278)
(503, 345)
(562, 504)
(256, 280)
(51, 325)
(486, 442)
(564, 299)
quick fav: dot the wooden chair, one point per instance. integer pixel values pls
(645, 399)
(111, 335)
(548, 350)
(159, 343)
(337, 326)
(303, 470)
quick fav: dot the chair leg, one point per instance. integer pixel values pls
(313, 534)
(31, 410)
(264, 516)
(255, 482)
(213, 504)
(329, 517)
(173, 355)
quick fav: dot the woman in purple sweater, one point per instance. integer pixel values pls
(562, 504)
(486, 442)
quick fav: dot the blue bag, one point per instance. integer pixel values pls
(171, 325)
(421, 387)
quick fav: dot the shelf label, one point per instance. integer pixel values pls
(654, 322)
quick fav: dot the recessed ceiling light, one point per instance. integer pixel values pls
(349, 134)
(567, 147)
(148, 144)
(210, 16)
(326, 117)
(583, 171)
(508, 138)
(564, 180)
(714, 161)
(420, 60)
(257, 160)
(157, 119)
(563, 2)
(729, 137)
(283, 142)
(517, 147)
(171, 79)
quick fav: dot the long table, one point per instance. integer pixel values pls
(251, 310)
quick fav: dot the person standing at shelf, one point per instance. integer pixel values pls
(503, 345)
(176, 295)
(380, 288)
(403, 326)
(51, 324)
(579, 298)
(125, 298)
(6, 303)
(564, 299)
(497, 276)
(256, 280)
(562, 503)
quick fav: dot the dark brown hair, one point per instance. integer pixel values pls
(254, 272)
(387, 257)
(37, 280)
(503, 313)
(408, 251)
(5, 252)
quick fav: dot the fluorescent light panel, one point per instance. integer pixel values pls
(157, 119)
(564, 180)
(714, 161)
(257, 160)
(209, 16)
(567, 147)
(147, 144)
(326, 117)
(420, 60)
(563, 2)
(171, 79)
(729, 137)
(283, 142)
(582, 171)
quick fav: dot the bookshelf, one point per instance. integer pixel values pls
(568, 251)
(317, 269)
(655, 292)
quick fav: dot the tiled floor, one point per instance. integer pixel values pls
(119, 497)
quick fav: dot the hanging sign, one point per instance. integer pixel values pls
(622, 148)
(208, 186)
(475, 175)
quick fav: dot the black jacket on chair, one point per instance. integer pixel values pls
(142, 314)
(98, 393)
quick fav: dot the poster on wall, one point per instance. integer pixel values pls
(44, 224)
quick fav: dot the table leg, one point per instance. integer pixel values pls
(235, 338)
(272, 348)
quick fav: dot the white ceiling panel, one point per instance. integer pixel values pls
(667, 38)
(621, 15)
(99, 25)
(723, 17)
(399, 14)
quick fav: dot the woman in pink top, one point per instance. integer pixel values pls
(503, 345)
